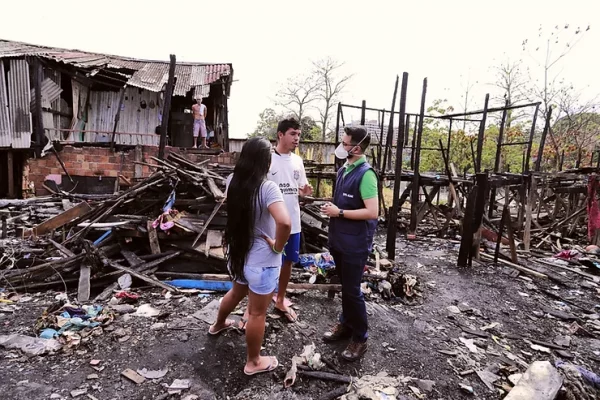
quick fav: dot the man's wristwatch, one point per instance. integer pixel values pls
(341, 213)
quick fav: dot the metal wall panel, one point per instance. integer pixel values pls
(5, 129)
(136, 124)
(19, 100)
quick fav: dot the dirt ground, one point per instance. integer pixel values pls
(416, 342)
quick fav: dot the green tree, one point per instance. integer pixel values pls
(267, 124)
(269, 119)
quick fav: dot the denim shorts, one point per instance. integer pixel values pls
(261, 280)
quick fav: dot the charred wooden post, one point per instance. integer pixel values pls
(11, 174)
(363, 111)
(530, 144)
(167, 108)
(407, 127)
(492, 205)
(117, 117)
(501, 230)
(414, 143)
(337, 162)
(414, 202)
(390, 134)
(380, 142)
(528, 212)
(392, 223)
(481, 135)
(538, 162)
(482, 184)
(449, 141)
(466, 242)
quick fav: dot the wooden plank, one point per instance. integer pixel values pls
(142, 277)
(60, 220)
(213, 239)
(83, 291)
(153, 238)
(214, 189)
(520, 268)
(62, 248)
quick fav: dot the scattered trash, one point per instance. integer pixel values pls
(133, 376)
(307, 357)
(179, 385)
(153, 374)
(146, 310)
(469, 343)
(453, 310)
(29, 345)
(541, 381)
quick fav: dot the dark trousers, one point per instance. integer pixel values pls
(350, 269)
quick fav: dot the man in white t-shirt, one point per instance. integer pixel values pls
(287, 170)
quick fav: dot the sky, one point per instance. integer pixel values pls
(268, 41)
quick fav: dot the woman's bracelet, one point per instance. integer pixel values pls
(279, 252)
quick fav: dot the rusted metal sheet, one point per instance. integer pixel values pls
(19, 100)
(150, 75)
(5, 129)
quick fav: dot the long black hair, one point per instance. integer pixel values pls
(242, 198)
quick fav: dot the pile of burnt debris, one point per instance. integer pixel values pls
(164, 231)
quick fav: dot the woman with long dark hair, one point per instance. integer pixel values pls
(258, 227)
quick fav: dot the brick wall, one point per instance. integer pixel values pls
(100, 161)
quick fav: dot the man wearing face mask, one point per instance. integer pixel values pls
(353, 220)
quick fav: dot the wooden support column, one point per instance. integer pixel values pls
(392, 223)
(363, 111)
(167, 108)
(531, 134)
(528, 212)
(481, 136)
(390, 134)
(538, 162)
(11, 174)
(482, 183)
(466, 242)
(117, 116)
(492, 203)
(412, 231)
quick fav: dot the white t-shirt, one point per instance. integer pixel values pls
(287, 171)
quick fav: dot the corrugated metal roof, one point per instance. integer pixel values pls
(147, 74)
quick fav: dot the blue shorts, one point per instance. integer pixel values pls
(261, 280)
(292, 248)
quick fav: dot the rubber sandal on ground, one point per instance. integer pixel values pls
(228, 325)
(272, 365)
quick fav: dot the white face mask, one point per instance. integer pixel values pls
(341, 153)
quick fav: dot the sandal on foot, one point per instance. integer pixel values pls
(290, 315)
(228, 325)
(286, 302)
(272, 365)
(242, 324)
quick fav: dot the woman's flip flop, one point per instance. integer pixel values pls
(228, 325)
(272, 365)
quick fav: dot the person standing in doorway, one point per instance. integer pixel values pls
(199, 113)
(353, 220)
